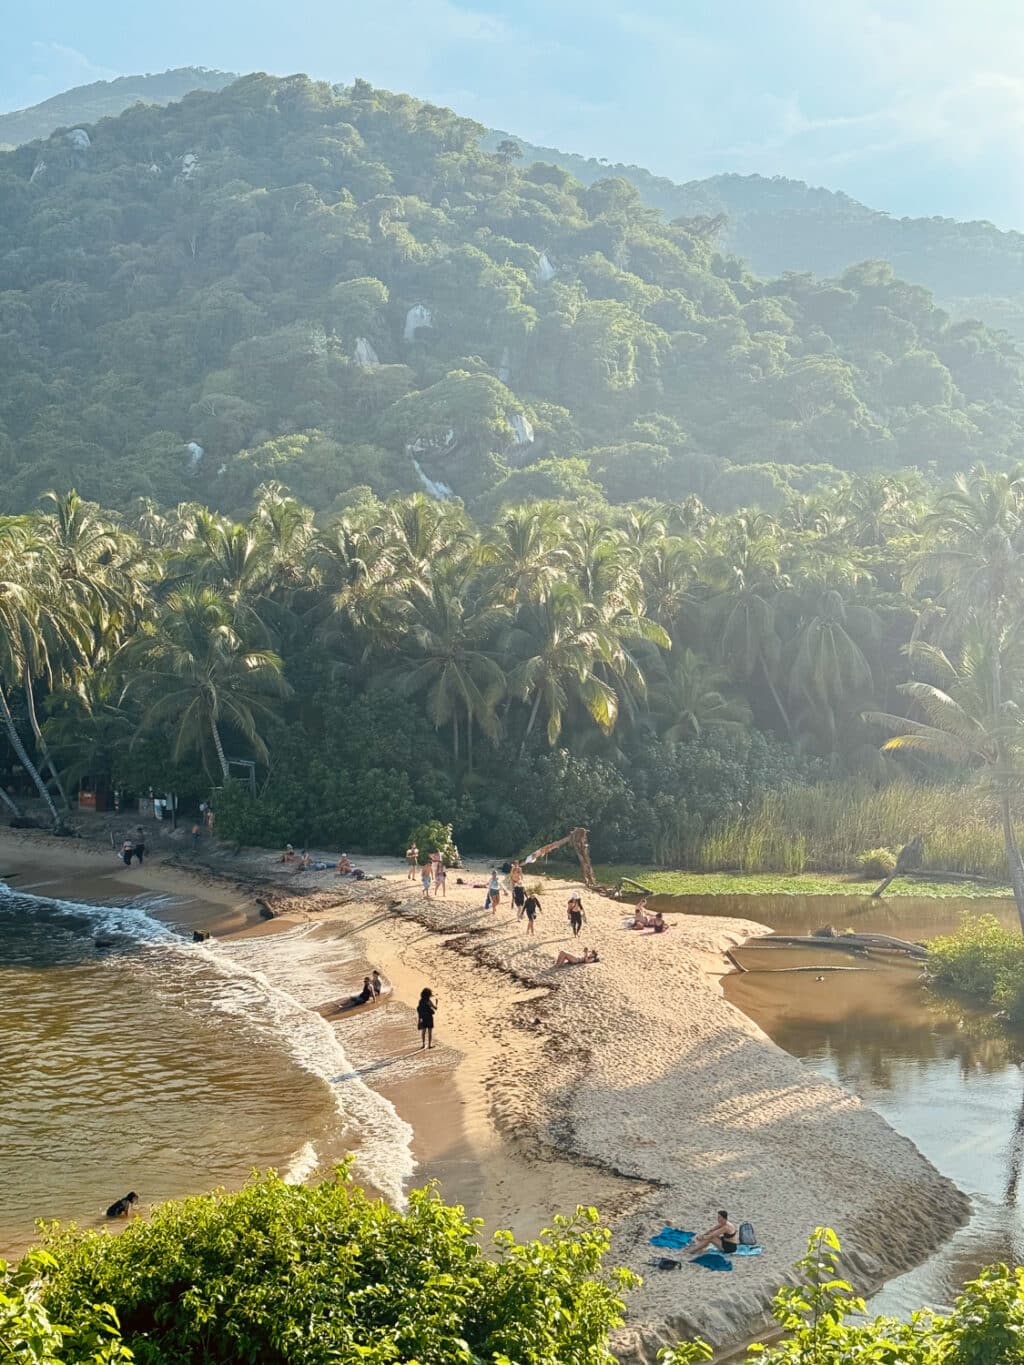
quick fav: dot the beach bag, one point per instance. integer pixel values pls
(747, 1235)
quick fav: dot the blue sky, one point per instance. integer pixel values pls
(915, 106)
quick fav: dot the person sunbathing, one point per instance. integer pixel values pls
(722, 1235)
(565, 959)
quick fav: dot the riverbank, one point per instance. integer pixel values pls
(630, 1084)
(663, 882)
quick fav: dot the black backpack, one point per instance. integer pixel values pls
(747, 1236)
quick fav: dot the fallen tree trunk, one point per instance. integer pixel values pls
(850, 943)
(925, 875)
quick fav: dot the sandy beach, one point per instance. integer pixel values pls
(629, 1084)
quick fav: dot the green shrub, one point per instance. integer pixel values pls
(984, 960)
(322, 1275)
(433, 837)
(874, 863)
(28, 1335)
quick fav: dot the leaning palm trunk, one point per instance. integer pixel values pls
(43, 747)
(23, 758)
(219, 746)
(1013, 855)
(8, 800)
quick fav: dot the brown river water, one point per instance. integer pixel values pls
(942, 1073)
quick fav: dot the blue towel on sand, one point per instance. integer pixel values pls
(748, 1251)
(712, 1260)
(672, 1237)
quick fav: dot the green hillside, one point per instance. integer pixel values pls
(775, 224)
(779, 225)
(338, 287)
(105, 99)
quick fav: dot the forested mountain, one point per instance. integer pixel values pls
(105, 99)
(774, 224)
(777, 225)
(338, 287)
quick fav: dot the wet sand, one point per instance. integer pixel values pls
(631, 1085)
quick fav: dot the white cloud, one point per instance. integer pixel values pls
(68, 62)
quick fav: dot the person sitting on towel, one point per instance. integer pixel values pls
(723, 1236)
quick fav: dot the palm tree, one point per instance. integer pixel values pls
(526, 549)
(557, 644)
(447, 634)
(830, 666)
(196, 673)
(746, 577)
(689, 698)
(962, 726)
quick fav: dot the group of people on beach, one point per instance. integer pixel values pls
(133, 846)
(433, 874)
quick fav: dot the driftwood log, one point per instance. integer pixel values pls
(850, 943)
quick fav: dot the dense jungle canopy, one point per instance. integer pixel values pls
(320, 285)
(448, 488)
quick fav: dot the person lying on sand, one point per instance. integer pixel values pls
(722, 1236)
(565, 959)
(121, 1208)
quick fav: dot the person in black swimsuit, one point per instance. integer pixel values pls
(722, 1235)
(576, 915)
(425, 1010)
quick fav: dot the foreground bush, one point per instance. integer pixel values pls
(985, 1327)
(28, 1336)
(292, 1275)
(984, 960)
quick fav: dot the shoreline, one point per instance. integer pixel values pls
(631, 1084)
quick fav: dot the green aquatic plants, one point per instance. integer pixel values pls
(324, 1275)
(984, 960)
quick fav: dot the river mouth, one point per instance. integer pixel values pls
(942, 1073)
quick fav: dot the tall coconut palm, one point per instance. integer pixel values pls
(689, 696)
(26, 569)
(962, 725)
(196, 673)
(447, 656)
(746, 576)
(831, 668)
(554, 648)
(526, 549)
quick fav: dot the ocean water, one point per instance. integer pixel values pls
(132, 1058)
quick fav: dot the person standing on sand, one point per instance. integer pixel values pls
(493, 891)
(576, 916)
(531, 908)
(139, 847)
(127, 849)
(425, 1011)
(425, 879)
(440, 878)
(412, 857)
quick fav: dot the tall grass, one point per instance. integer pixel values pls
(825, 827)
